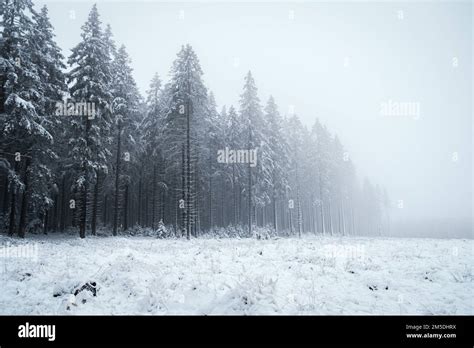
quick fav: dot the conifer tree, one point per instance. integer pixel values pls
(276, 160)
(251, 115)
(89, 80)
(124, 109)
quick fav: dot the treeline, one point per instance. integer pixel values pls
(81, 147)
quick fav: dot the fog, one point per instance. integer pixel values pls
(349, 64)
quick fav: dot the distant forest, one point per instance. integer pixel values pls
(81, 149)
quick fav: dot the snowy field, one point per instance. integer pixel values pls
(312, 275)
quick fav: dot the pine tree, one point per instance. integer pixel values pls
(184, 121)
(151, 127)
(30, 84)
(251, 115)
(124, 108)
(45, 154)
(322, 140)
(234, 139)
(340, 182)
(275, 156)
(296, 134)
(89, 80)
(213, 144)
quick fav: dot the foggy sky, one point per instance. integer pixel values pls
(336, 61)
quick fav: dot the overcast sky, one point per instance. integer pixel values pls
(340, 62)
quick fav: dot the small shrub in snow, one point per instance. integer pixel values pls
(35, 226)
(232, 231)
(162, 231)
(263, 233)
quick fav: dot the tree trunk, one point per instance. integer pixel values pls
(290, 217)
(140, 201)
(250, 186)
(275, 227)
(211, 218)
(63, 204)
(54, 221)
(188, 172)
(240, 212)
(125, 210)
(11, 225)
(105, 207)
(45, 222)
(5, 196)
(83, 220)
(145, 208)
(95, 204)
(153, 199)
(183, 191)
(25, 200)
(330, 217)
(117, 177)
(176, 207)
(298, 201)
(234, 193)
(196, 216)
(343, 219)
(223, 202)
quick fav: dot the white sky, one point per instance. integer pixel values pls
(336, 61)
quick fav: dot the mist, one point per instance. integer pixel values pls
(342, 63)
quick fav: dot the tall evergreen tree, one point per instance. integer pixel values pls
(184, 126)
(89, 79)
(276, 156)
(234, 135)
(251, 115)
(124, 109)
(45, 154)
(296, 134)
(31, 82)
(151, 127)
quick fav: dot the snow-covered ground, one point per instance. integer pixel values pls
(312, 275)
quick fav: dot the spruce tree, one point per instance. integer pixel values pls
(251, 115)
(30, 81)
(276, 161)
(184, 127)
(89, 80)
(124, 108)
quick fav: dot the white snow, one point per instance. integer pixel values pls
(312, 275)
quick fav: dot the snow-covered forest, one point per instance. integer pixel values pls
(114, 200)
(82, 149)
